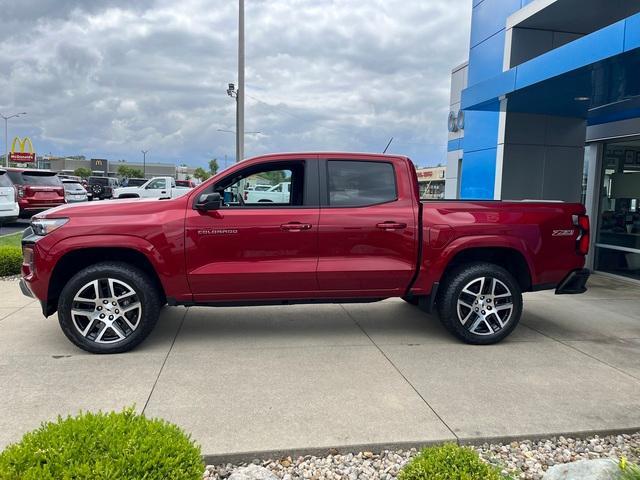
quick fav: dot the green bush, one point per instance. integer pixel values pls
(629, 471)
(449, 462)
(10, 260)
(103, 446)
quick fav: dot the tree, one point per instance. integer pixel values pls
(125, 171)
(201, 174)
(82, 172)
(213, 166)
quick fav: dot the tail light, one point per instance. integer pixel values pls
(15, 194)
(584, 237)
(246, 196)
(20, 191)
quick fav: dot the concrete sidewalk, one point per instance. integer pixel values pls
(307, 378)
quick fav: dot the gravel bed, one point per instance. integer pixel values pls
(524, 459)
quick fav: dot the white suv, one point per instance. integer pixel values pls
(9, 208)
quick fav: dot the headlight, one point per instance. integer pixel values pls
(44, 226)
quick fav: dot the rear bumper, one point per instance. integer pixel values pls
(574, 283)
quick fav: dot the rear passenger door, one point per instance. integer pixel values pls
(367, 228)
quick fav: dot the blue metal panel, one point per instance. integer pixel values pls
(489, 89)
(490, 17)
(480, 130)
(478, 174)
(589, 49)
(632, 33)
(456, 144)
(486, 60)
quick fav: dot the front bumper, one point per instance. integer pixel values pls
(24, 287)
(574, 283)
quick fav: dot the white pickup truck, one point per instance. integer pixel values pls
(157, 187)
(279, 193)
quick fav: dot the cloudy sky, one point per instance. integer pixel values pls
(107, 78)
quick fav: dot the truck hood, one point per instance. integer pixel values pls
(120, 190)
(113, 208)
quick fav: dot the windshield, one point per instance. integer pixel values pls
(73, 187)
(5, 181)
(38, 179)
(135, 182)
(99, 181)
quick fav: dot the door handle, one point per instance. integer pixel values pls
(163, 191)
(295, 226)
(389, 226)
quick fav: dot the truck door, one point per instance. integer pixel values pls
(257, 250)
(156, 188)
(368, 227)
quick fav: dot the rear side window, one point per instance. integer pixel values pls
(357, 184)
(5, 181)
(38, 179)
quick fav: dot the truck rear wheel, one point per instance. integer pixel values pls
(480, 303)
(108, 307)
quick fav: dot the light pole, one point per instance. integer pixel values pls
(6, 134)
(238, 93)
(144, 163)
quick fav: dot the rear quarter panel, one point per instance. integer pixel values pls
(450, 227)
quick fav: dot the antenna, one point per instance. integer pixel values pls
(388, 144)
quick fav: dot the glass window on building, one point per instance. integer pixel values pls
(618, 235)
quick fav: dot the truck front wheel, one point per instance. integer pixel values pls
(480, 303)
(108, 307)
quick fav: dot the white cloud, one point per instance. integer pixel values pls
(107, 78)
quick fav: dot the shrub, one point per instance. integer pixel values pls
(448, 462)
(10, 260)
(103, 446)
(629, 471)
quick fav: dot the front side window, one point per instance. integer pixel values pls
(357, 184)
(157, 184)
(268, 186)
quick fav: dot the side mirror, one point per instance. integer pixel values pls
(209, 201)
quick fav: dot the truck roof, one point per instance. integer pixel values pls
(333, 154)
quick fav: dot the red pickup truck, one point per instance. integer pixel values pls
(351, 229)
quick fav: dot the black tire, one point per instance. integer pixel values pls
(500, 320)
(146, 294)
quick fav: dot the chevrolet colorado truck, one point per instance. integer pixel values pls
(352, 229)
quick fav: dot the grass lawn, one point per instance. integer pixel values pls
(11, 240)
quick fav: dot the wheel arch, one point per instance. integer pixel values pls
(67, 266)
(511, 259)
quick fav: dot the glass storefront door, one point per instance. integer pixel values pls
(618, 223)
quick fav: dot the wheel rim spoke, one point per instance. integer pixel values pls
(485, 306)
(103, 319)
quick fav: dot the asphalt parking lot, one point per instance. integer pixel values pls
(307, 378)
(14, 227)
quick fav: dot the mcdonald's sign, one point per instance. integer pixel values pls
(20, 155)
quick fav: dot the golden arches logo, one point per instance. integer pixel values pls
(25, 142)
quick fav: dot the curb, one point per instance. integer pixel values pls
(248, 457)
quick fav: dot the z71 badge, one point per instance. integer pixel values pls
(563, 233)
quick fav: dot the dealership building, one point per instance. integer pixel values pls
(548, 108)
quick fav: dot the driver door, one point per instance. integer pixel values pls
(255, 251)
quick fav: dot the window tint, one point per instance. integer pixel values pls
(5, 181)
(355, 184)
(73, 186)
(42, 179)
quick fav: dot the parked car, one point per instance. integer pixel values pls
(133, 182)
(37, 190)
(74, 191)
(275, 194)
(186, 183)
(102, 188)
(9, 208)
(352, 229)
(64, 176)
(157, 187)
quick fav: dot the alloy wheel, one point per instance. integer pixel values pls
(485, 306)
(106, 310)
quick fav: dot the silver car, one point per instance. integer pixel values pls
(74, 191)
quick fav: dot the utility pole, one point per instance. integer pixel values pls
(144, 163)
(6, 134)
(240, 97)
